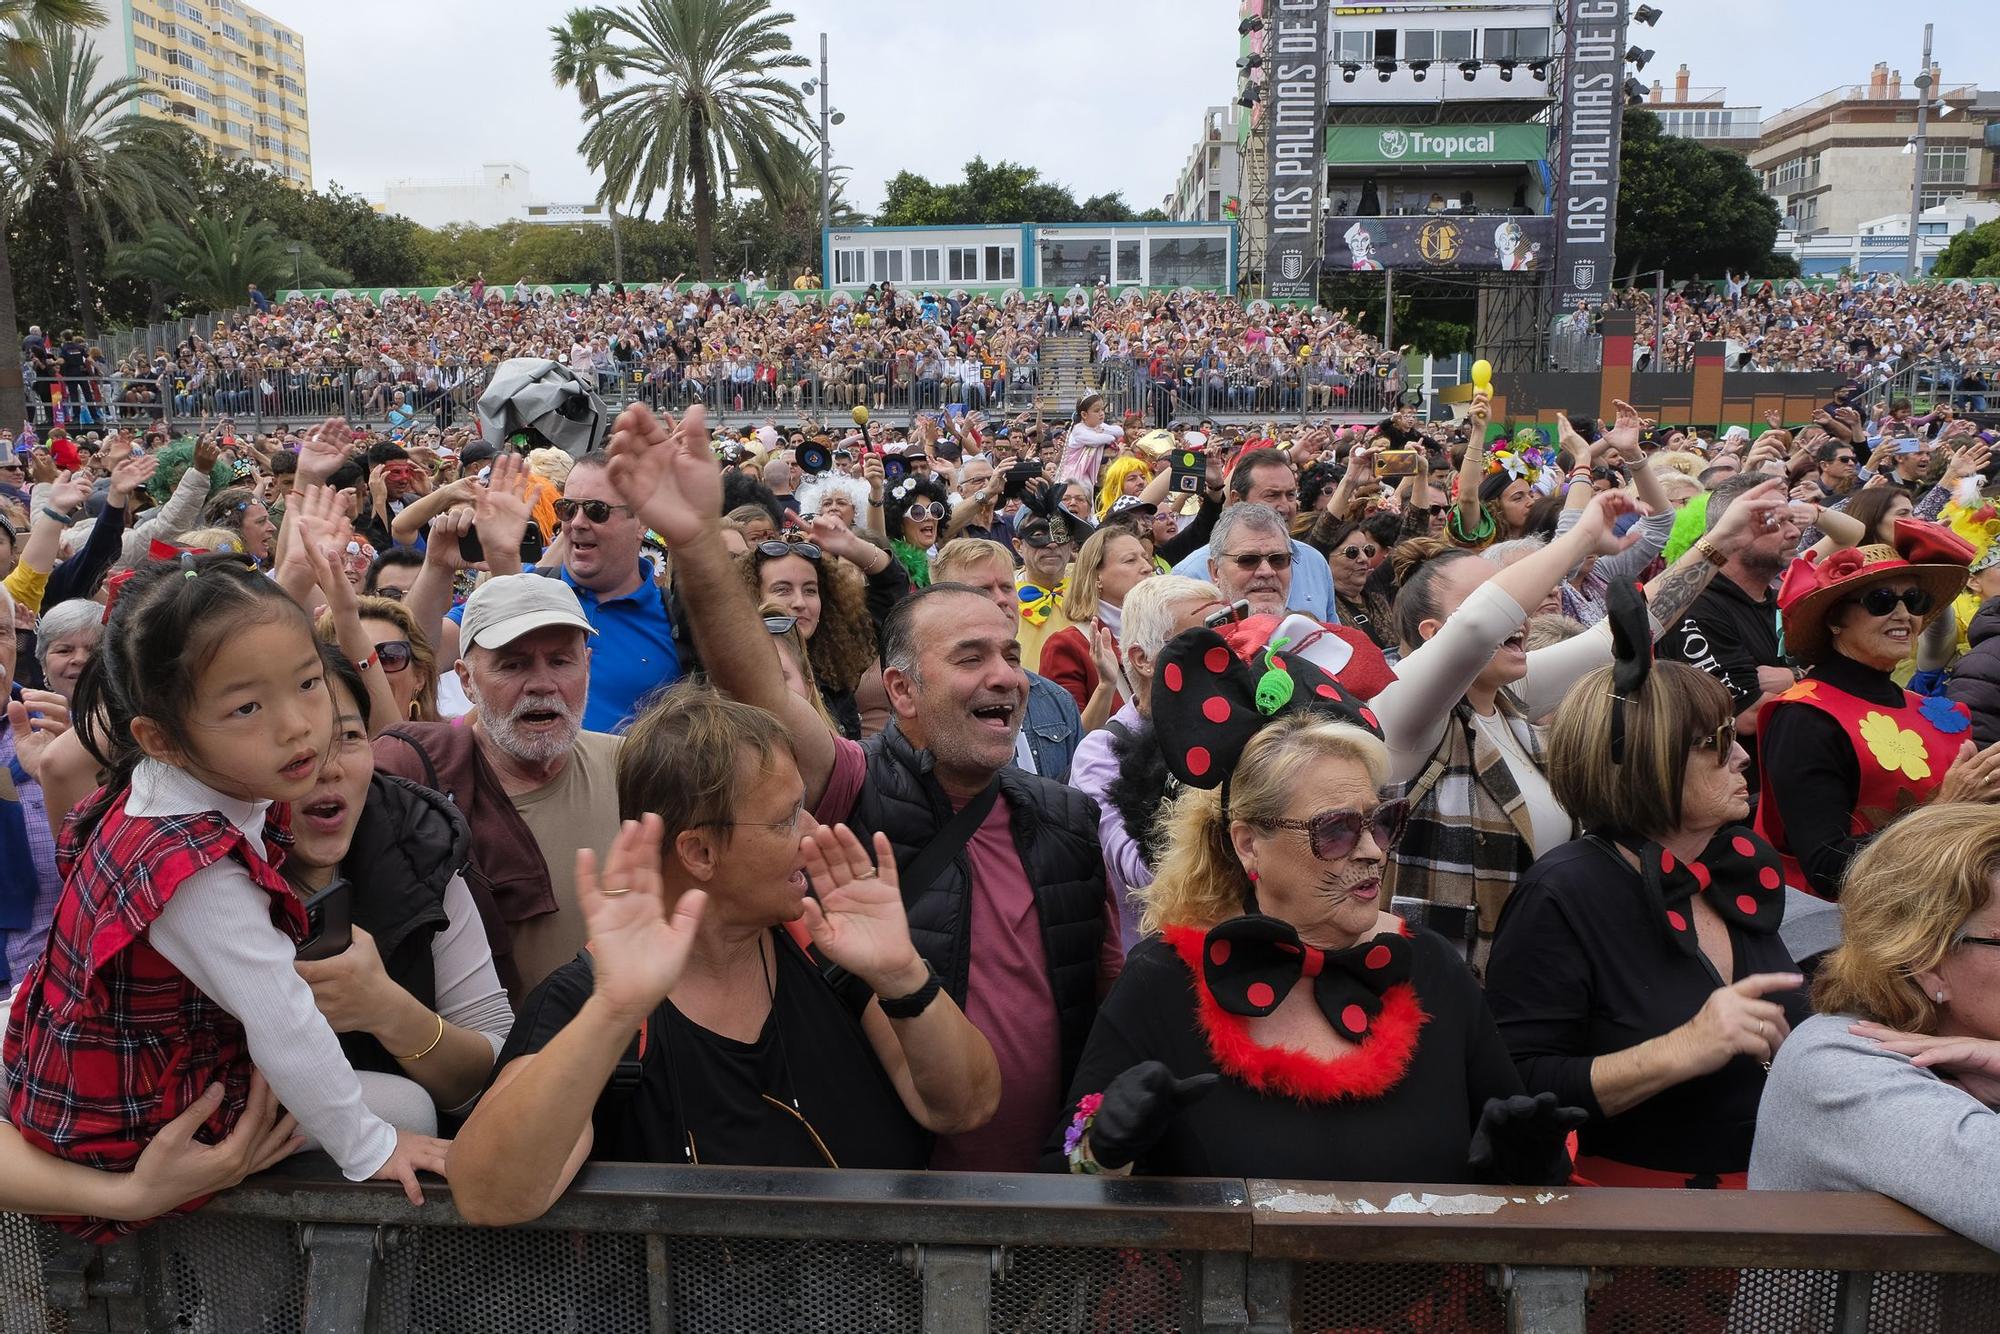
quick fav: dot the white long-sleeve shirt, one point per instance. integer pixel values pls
(216, 929)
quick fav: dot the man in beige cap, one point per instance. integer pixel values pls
(532, 784)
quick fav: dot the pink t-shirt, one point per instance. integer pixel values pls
(1007, 996)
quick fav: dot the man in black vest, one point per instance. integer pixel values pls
(1002, 879)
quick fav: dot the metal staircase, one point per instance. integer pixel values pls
(1066, 372)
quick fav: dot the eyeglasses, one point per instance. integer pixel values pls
(390, 592)
(1334, 834)
(775, 548)
(1993, 941)
(1361, 553)
(597, 511)
(1437, 511)
(933, 509)
(1882, 601)
(1247, 561)
(395, 656)
(1845, 458)
(1722, 742)
(780, 625)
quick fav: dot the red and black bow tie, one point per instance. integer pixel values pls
(1251, 963)
(1739, 874)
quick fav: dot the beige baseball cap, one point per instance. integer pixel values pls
(503, 609)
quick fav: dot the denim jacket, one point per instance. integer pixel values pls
(1053, 727)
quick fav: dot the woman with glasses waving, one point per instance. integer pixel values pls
(1892, 1085)
(1278, 1021)
(1847, 750)
(407, 660)
(1638, 972)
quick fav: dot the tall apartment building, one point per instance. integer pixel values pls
(1211, 182)
(233, 76)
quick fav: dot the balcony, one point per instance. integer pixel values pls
(1955, 175)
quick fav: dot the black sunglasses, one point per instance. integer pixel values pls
(597, 511)
(775, 548)
(1882, 601)
(1247, 561)
(394, 656)
(1361, 553)
(1334, 834)
(1722, 741)
(1437, 511)
(391, 592)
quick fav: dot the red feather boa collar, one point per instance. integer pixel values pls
(1369, 1071)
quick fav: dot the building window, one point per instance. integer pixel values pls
(1355, 47)
(145, 20)
(1944, 164)
(850, 266)
(141, 44)
(1067, 262)
(924, 267)
(962, 264)
(1456, 44)
(888, 266)
(1193, 262)
(1939, 198)
(1517, 43)
(1215, 206)
(999, 263)
(1128, 263)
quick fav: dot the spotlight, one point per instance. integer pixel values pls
(1506, 71)
(1249, 25)
(1348, 70)
(1418, 68)
(1249, 96)
(1540, 69)
(1252, 61)
(1469, 68)
(1384, 68)
(1646, 14)
(1638, 56)
(838, 117)
(810, 87)
(1635, 91)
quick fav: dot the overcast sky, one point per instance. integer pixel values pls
(1099, 94)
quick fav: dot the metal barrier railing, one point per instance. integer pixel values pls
(1235, 395)
(719, 1250)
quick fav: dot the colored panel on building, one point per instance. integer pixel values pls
(1501, 242)
(1434, 145)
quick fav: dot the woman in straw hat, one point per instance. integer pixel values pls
(1847, 750)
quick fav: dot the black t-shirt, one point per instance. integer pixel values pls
(1729, 634)
(1581, 968)
(735, 1099)
(1418, 1130)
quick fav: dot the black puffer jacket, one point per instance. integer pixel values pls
(408, 845)
(1055, 831)
(1975, 681)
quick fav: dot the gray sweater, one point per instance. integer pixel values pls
(1840, 1113)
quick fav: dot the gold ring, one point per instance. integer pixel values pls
(614, 893)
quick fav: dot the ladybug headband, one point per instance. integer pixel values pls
(1631, 655)
(1208, 702)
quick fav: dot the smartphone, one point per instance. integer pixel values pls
(329, 921)
(1396, 463)
(472, 552)
(1186, 468)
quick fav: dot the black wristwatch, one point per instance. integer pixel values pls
(914, 1004)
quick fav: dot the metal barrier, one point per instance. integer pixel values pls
(719, 1250)
(1236, 395)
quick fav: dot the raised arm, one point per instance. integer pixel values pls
(1472, 467)
(668, 476)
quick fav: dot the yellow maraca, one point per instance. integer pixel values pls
(860, 414)
(1482, 376)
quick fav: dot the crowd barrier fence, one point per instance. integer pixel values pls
(676, 1250)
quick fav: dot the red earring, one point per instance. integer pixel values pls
(1252, 875)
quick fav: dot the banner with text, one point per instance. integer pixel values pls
(1593, 121)
(1510, 244)
(1434, 145)
(1295, 107)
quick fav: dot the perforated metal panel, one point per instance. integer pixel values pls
(737, 1286)
(1946, 1303)
(221, 1275)
(1056, 1290)
(1714, 1301)
(1397, 1299)
(24, 1244)
(443, 1280)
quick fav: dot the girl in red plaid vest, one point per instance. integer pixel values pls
(169, 961)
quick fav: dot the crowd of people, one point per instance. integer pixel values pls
(1522, 804)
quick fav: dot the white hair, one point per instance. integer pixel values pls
(1146, 621)
(66, 620)
(814, 489)
(1503, 554)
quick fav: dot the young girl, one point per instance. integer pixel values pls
(170, 963)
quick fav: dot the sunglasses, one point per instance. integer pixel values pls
(1334, 834)
(1722, 741)
(1247, 561)
(775, 548)
(1882, 601)
(395, 656)
(391, 592)
(1361, 553)
(780, 625)
(933, 509)
(597, 511)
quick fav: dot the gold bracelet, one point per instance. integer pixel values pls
(433, 1047)
(1710, 552)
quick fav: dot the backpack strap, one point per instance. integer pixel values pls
(430, 768)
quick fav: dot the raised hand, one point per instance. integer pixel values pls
(441, 547)
(68, 492)
(323, 449)
(1625, 427)
(127, 476)
(36, 720)
(1750, 516)
(1597, 529)
(855, 915)
(667, 473)
(502, 509)
(207, 449)
(637, 948)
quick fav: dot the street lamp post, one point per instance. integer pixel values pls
(1924, 81)
(825, 180)
(294, 249)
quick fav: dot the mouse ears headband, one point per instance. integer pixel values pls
(1208, 702)
(1631, 655)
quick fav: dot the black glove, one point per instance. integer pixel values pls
(1522, 1141)
(1137, 1108)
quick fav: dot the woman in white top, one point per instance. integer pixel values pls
(1456, 717)
(1083, 451)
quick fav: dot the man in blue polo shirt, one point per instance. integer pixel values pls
(633, 654)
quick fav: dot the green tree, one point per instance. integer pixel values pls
(78, 136)
(1004, 192)
(211, 262)
(1973, 253)
(1689, 209)
(708, 107)
(581, 56)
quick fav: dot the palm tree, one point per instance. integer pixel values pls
(708, 106)
(21, 22)
(214, 260)
(581, 56)
(76, 134)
